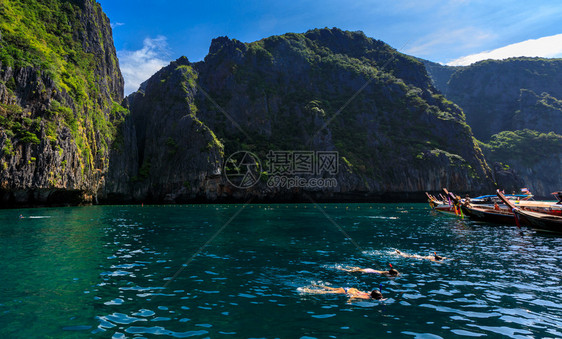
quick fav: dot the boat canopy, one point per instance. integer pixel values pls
(507, 195)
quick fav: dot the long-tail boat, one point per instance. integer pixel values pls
(497, 212)
(489, 214)
(445, 205)
(490, 208)
(538, 221)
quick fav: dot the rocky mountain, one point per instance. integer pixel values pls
(538, 112)
(507, 103)
(60, 95)
(323, 90)
(505, 95)
(535, 157)
(65, 138)
(440, 74)
(165, 151)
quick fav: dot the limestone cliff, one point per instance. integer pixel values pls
(440, 74)
(492, 92)
(167, 153)
(541, 113)
(60, 86)
(324, 90)
(535, 157)
(514, 107)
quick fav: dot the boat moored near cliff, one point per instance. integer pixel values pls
(541, 222)
(492, 209)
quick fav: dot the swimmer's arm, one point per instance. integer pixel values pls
(330, 289)
(313, 291)
(358, 296)
(370, 270)
(402, 254)
(406, 255)
(356, 299)
(349, 269)
(354, 269)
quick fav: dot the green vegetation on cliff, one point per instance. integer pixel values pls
(323, 90)
(534, 156)
(58, 74)
(314, 74)
(495, 94)
(42, 35)
(515, 107)
(526, 146)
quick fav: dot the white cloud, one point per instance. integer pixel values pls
(449, 39)
(546, 47)
(137, 66)
(117, 24)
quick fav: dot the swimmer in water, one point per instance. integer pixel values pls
(390, 273)
(435, 257)
(353, 293)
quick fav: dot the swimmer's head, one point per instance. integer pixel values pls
(392, 271)
(437, 257)
(376, 294)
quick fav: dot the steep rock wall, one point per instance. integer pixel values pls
(490, 91)
(60, 86)
(292, 92)
(513, 106)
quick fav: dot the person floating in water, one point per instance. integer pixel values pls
(435, 257)
(352, 293)
(390, 273)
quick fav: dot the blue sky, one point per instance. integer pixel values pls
(150, 34)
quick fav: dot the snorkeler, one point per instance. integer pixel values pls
(435, 257)
(353, 293)
(390, 273)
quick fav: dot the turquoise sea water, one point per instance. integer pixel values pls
(132, 271)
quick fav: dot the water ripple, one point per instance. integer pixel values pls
(158, 330)
(114, 271)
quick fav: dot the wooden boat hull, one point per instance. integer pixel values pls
(481, 214)
(552, 210)
(447, 209)
(540, 222)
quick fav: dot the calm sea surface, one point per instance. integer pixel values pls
(222, 271)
